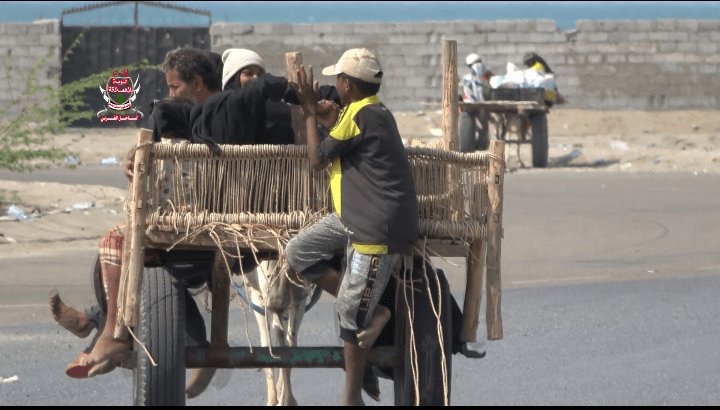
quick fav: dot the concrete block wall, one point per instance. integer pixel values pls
(31, 49)
(650, 65)
(621, 64)
(615, 65)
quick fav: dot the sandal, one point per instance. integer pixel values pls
(79, 368)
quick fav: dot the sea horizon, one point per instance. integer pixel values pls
(564, 13)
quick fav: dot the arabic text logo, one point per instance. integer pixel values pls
(119, 94)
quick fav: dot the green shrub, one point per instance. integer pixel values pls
(26, 140)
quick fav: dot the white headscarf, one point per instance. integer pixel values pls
(235, 59)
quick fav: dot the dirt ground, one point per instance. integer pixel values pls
(628, 141)
(579, 141)
(631, 141)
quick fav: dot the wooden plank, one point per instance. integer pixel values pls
(450, 114)
(284, 357)
(476, 265)
(450, 95)
(220, 303)
(473, 291)
(162, 237)
(495, 234)
(503, 106)
(130, 276)
(293, 61)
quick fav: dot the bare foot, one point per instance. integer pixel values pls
(199, 381)
(366, 337)
(68, 317)
(101, 368)
(80, 369)
(107, 349)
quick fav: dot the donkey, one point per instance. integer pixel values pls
(277, 328)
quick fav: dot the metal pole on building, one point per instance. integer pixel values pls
(135, 16)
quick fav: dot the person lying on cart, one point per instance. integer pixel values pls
(191, 76)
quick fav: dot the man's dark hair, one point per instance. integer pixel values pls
(217, 65)
(365, 88)
(190, 61)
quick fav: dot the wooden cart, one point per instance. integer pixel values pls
(482, 121)
(460, 199)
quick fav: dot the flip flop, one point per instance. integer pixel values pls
(77, 369)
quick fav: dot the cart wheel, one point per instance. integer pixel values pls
(483, 140)
(162, 332)
(427, 376)
(466, 132)
(501, 126)
(538, 123)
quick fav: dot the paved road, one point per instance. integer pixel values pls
(106, 175)
(610, 298)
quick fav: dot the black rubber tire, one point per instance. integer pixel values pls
(162, 331)
(467, 131)
(539, 127)
(429, 352)
(483, 139)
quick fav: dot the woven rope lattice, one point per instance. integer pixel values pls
(273, 185)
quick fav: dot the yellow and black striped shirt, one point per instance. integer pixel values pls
(371, 180)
